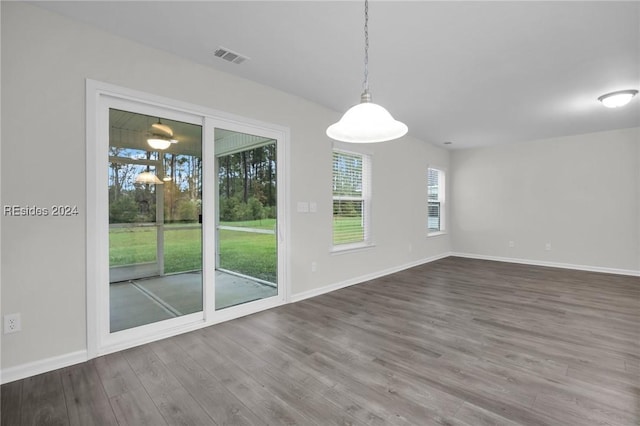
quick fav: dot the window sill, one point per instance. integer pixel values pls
(436, 234)
(350, 248)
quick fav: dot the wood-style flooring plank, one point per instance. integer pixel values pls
(116, 375)
(221, 405)
(11, 396)
(174, 403)
(130, 401)
(476, 416)
(242, 385)
(353, 393)
(43, 400)
(136, 409)
(358, 354)
(87, 402)
(264, 346)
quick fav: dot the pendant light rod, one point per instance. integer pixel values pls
(366, 51)
(366, 122)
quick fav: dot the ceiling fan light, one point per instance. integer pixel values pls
(366, 123)
(160, 136)
(163, 128)
(159, 143)
(617, 99)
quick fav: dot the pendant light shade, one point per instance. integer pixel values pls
(148, 178)
(366, 122)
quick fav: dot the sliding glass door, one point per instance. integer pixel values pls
(185, 215)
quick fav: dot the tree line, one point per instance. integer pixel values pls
(246, 186)
(131, 201)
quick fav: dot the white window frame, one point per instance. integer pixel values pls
(99, 97)
(366, 199)
(442, 197)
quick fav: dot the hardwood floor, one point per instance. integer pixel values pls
(454, 342)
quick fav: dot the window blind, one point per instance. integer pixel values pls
(435, 200)
(350, 181)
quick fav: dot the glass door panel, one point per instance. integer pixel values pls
(155, 234)
(246, 232)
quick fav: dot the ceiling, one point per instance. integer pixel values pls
(131, 130)
(472, 73)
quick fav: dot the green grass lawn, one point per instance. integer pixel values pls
(247, 253)
(347, 230)
(182, 250)
(132, 245)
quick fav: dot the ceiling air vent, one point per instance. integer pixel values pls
(229, 55)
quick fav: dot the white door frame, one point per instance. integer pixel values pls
(99, 98)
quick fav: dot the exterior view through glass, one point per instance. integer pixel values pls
(155, 230)
(247, 243)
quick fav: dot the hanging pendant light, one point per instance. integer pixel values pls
(366, 122)
(148, 178)
(161, 136)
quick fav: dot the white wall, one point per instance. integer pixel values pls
(579, 193)
(45, 61)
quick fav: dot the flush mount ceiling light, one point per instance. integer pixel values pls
(161, 136)
(617, 99)
(366, 122)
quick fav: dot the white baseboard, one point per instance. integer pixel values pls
(631, 272)
(357, 280)
(22, 371)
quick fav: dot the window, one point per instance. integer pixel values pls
(351, 199)
(435, 197)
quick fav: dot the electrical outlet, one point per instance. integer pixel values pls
(547, 247)
(512, 243)
(314, 266)
(12, 323)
